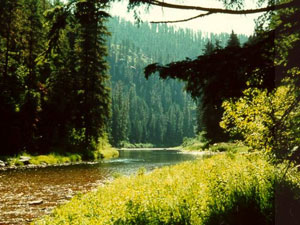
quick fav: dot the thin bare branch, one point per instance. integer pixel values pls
(224, 11)
(183, 20)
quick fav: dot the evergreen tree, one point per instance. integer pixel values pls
(120, 115)
(93, 94)
(233, 40)
(208, 48)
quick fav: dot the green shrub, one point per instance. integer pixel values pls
(198, 143)
(125, 144)
(218, 190)
(104, 150)
(44, 159)
(14, 161)
(50, 159)
(229, 147)
(54, 158)
(267, 121)
(74, 157)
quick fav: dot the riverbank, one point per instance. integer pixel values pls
(151, 149)
(224, 189)
(25, 160)
(199, 144)
(31, 193)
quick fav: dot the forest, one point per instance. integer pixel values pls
(54, 76)
(50, 105)
(153, 111)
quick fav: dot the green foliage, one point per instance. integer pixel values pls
(149, 111)
(103, 150)
(233, 41)
(198, 143)
(220, 190)
(74, 157)
(218, 75)
(124, 144)
(53, 76)
(141, 171)
(267, 121)
(237, 147)
(93, 95)
(14, 161)
(50, 159)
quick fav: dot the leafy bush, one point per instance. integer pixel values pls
(268, 121)
(229, 147)
(74, 157)
(104, 150)
(14, 162)
(219, 190)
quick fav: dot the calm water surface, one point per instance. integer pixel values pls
(29, 193)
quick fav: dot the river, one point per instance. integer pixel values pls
(26, 194)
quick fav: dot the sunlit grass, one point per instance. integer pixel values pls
(224, 189)
(49, 159)
(200, 144)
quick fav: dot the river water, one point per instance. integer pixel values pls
(26, 194)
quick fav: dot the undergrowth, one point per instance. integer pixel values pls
(103, 151)
(200, 143)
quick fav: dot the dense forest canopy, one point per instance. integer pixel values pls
(53, 75)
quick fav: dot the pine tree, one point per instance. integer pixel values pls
(93, 95)
(209, 48)
(233, 40)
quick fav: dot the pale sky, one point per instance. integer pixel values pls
(218, 23)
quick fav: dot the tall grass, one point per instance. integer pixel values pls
(225, 189)
(49, 159)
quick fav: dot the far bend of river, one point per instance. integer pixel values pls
(26, 194)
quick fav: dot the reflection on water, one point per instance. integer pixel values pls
(130, 161)
(29, 193)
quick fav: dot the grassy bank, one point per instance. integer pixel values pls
(125, 144)
(103, 151)
(199, 143)
(225, 189)
(48, 159)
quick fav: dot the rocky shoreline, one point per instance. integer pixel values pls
(4, 166)
(27, 194)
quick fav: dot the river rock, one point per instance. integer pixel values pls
(24, 159)
(68, 197)
(36, 202)
(2, 164)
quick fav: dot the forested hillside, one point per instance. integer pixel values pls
(152, 111)
(55, 78)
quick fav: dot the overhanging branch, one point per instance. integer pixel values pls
(225, 11)
(183, 20)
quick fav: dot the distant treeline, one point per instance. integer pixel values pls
(153, 111)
